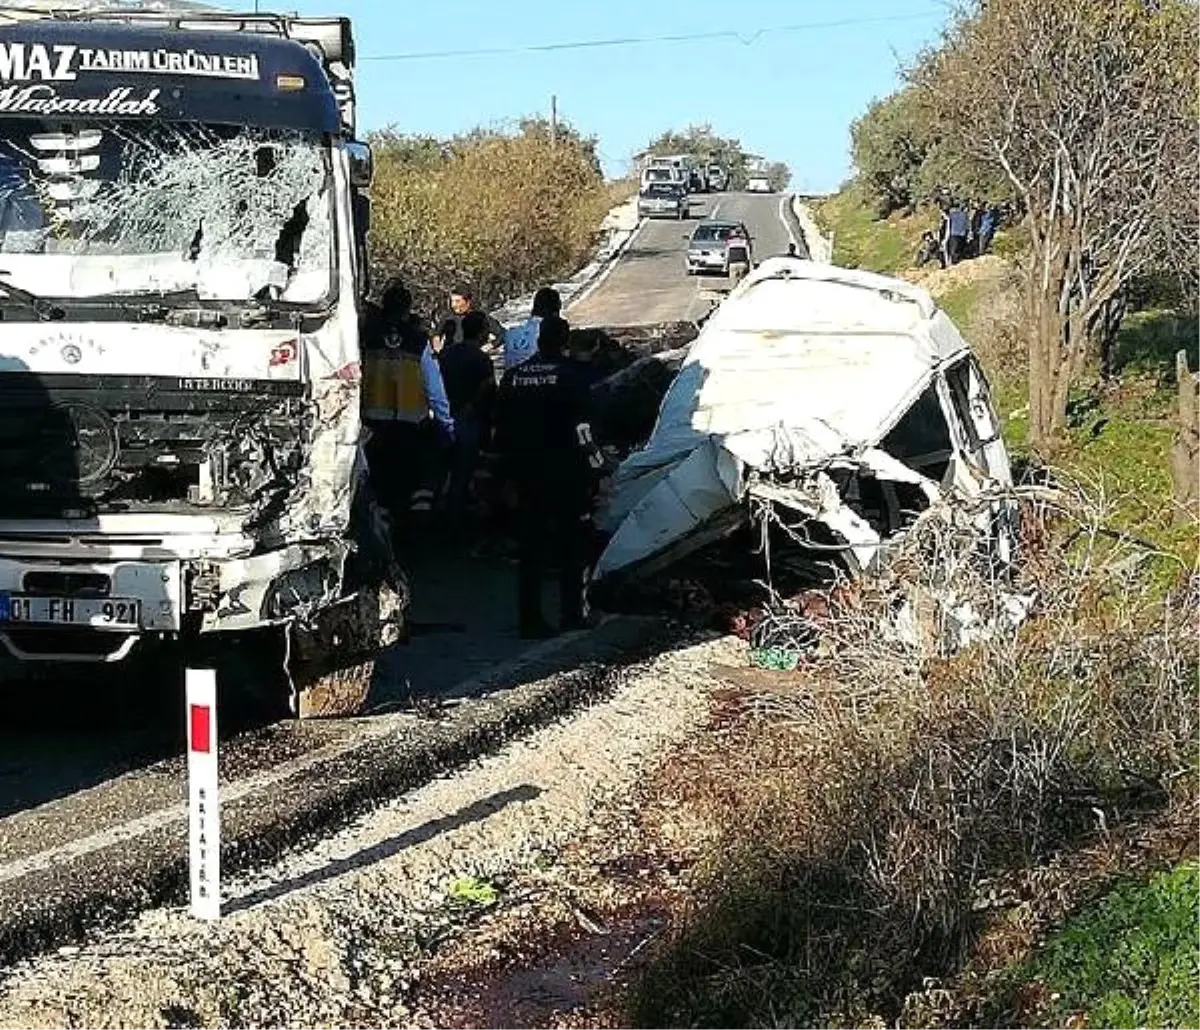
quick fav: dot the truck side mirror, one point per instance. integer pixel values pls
(362, 164)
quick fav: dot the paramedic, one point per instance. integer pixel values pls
(402, 388)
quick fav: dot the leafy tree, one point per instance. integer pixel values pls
(889, 143)
(538, 127)
(1089, 110)
(779, 175)
(903, 158)
(504, 211)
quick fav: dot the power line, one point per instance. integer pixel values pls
(685, 37)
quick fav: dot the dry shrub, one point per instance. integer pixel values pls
(916, 769)
(997, 328)
(503, 213)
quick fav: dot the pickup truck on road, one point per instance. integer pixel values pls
(664, 200)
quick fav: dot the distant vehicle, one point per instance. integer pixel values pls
(707, 246)
(664, 200)
(758, 184)
(718, 178)
(660, 174)
(683, 168)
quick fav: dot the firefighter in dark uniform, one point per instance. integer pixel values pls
(543, 437)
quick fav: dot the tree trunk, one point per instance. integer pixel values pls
(1059, 344)
(1185, 449)
(1049, 371)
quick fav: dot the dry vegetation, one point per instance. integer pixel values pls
(887, 835)
(871, 803)
(503, 212)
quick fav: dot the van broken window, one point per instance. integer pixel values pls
(921, 439)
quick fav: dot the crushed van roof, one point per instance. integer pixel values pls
(802, 363)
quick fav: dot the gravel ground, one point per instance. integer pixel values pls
(338, 935)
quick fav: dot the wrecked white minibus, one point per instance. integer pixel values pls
(182, 259)
(845, 402)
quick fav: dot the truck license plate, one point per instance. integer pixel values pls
(97, 612)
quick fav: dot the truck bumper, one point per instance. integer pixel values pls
(55, 609)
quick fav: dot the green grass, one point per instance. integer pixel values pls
(470, 891)
(862, 241)
(1128, 960)
(1119, 439)
(959, 304)
(1148, 341)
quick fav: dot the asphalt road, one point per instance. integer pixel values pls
(91, 777)
(649, 283)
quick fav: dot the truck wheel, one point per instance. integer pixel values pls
(249, 667)
(332, 657)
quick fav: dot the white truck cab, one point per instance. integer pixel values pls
(182, 260)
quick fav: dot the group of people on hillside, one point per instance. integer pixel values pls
(433, 406)
(966, 230)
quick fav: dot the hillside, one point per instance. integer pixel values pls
(1120, 431)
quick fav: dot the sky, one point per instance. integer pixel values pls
(788, 95)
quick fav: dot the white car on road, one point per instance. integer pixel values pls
(758, 184)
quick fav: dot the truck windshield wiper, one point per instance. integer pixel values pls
(46, 310)
(186, 308)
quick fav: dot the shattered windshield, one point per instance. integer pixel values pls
(229, 212)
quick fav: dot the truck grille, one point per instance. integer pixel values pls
(50, 583)
(76, 446)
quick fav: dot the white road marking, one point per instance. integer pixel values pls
(591, 288)
(783, 201)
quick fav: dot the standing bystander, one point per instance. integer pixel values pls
(471, 387)
(543, 435)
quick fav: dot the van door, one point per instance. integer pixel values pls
(977, 420)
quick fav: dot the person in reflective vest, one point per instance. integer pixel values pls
(404, 404)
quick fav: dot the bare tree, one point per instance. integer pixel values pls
(1089, 107)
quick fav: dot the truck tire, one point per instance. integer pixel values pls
(332, 658)
(332, 655)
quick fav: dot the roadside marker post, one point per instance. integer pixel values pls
(204, 808)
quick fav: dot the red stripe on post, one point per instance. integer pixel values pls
(201, 726)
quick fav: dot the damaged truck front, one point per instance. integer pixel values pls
(182, 227)
(825, 407)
